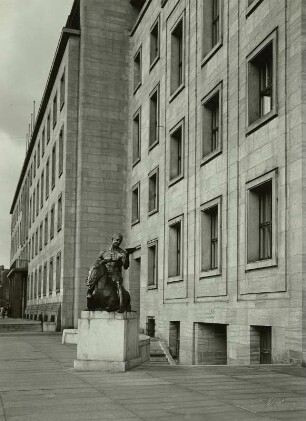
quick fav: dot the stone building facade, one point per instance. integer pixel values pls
(183, 126)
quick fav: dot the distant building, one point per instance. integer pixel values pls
(181, 125)
(4, 287)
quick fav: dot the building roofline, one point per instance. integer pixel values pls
(61, 47)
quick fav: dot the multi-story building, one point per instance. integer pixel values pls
(4, 287)
(182, 127)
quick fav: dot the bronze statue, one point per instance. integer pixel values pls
(104, 281)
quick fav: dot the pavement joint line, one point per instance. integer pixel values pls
(113, 401)
(241, 408)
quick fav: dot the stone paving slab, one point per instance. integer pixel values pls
(38, 383)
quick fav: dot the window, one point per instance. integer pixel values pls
(40, 236)
(30, 212)
(39, 282)
(33, 246)
(211, 124)
(36, 242)
(262, 83)
(38, 154)
(46, 229)
(35, 284)
(34, 165)
(136, 137)
(60, 152)
(154, 43)
(53, 166)
(135, 203)
(154, 118)
(211, 237)
(252, 5)
(43, 142)
(175, 249)
(52, 222)
(37, 198)
(31, 174)
(47, 178)
(33, 208)
(55, 110)
(153, 191)
(137, 70)
(48, 128)
(42, 182)
(50, 276)
(59, 213)
(62, 90)
(177, 57)
(176, 153)
(261, 222)
(58, 272)
(212, 28)
(30, 286)
(152, 264)
(45, 280)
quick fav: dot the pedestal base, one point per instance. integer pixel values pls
(110, 366)
(107, 341)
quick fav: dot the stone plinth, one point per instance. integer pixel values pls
(107, 341)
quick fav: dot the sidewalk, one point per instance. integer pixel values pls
(38, 383)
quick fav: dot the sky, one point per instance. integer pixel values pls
(29, 33)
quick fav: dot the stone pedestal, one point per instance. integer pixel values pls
(107, 341)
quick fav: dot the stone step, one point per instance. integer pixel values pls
(157, 354)
(20, 327)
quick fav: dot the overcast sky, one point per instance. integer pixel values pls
(29, 33)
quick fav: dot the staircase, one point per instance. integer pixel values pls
(19, 325)
(159, 353)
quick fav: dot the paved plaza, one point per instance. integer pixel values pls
(38, 383)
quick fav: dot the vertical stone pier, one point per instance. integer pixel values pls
(107, 341)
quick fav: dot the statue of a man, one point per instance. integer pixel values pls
(115, 258)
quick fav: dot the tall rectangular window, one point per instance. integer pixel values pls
(43, 142)
(175, 249)
(40, 236)
(154, 42)
(35, 288)
(152, 263)
(62, 90)
(36, 242)
(34, 165)
(34, 203)
(37, 198)
(262, 82)
(33, 246)
(58, 271)
(212, 28)
(211, 237)
(46, 229)
(177, 57)
(47, 178)
(260, 220)
(136, 137)
(176, 152)
(154, 118)
(53, 170)
(153, 191)
(61, 152)
(52, 222)
(45, 280)
(59, 212)
(51, 276)
(42, 183)
(211, 123)
(48, 127)
(39, 282)
(30, 212)
(135, 203)
(54, 110)
(38, 154)
(261, 226)
(137, 70)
